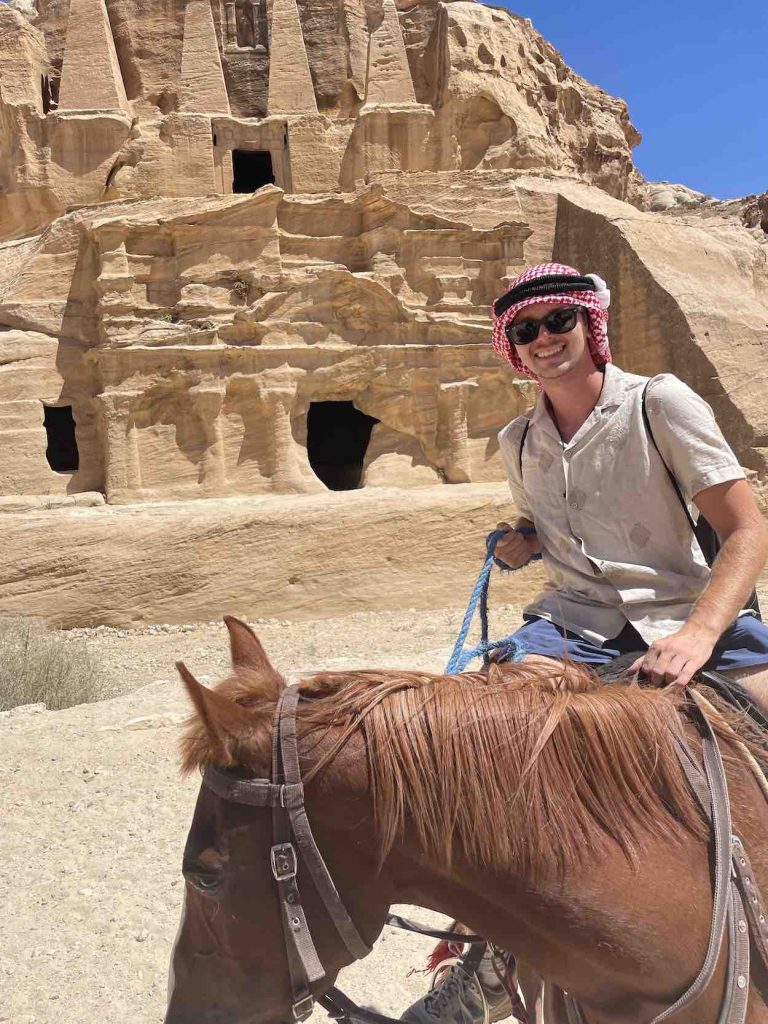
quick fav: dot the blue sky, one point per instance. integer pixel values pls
(695, 76)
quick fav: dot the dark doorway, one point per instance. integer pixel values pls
(252, 169)
(62, 453)
(337, 439)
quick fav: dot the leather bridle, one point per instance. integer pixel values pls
(737, 905)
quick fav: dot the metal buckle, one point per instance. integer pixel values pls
(283, 859)
(303, 1008)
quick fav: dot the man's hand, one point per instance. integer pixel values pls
(514, 549)
(675, 659)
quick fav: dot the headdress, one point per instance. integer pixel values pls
(554, 282)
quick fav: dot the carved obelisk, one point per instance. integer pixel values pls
(389, 81)
(290, 82)
(90, 73)
(203, 89)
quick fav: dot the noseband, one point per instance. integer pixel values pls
(737, 906)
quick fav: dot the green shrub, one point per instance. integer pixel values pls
(41, 666)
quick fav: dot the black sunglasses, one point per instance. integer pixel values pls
(559, 321)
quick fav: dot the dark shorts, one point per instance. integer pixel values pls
(742, 645)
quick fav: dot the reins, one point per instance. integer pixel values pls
(513, 649)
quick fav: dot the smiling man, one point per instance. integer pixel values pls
(592, 469)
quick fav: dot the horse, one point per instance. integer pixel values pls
(545, 810)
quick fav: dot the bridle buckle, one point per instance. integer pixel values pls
(284, 864)
(303, 1008)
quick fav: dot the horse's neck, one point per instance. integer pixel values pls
(598, 932)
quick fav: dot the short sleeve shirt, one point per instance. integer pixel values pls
(616, 543)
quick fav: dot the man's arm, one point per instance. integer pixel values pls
(732, 510)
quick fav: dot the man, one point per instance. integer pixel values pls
(593, 489)
(624, 569)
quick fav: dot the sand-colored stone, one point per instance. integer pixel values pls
(472, 110)
(90, 75)
(204, 337)
(303, 557)
(389, 77)
(290, 83)
(421, 157)
(202, 86)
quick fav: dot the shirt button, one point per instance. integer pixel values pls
(573, 503)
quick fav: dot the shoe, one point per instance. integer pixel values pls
(460, 995)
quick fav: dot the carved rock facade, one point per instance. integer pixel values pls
(250, 246)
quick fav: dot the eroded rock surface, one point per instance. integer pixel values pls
(250, 249)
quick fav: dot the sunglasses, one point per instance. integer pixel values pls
(559, 321)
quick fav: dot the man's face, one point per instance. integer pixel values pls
(553, 355)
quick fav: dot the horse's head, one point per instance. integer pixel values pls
(230, 963)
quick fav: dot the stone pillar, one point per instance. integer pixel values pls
(114, 290)
(90, 74)
(207, 404)
(290, 473)
(122, 465)
(202, 89)
(290, 83)
(230, 23)
(389, 79)
(453, 431)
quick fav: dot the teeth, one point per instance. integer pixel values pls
(544, 352)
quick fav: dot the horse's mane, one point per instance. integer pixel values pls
(528, 767)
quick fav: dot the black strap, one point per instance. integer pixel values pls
(526, 428)
(547, 285)
(396, 921)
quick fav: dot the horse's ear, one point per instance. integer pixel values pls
(495, 673)
(224, 720)
(247, 651)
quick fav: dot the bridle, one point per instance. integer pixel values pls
(737, 905)
(292, 836)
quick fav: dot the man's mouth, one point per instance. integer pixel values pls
(549, 351)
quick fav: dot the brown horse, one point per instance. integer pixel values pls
(547, 812)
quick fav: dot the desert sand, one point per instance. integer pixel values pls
(95, 815)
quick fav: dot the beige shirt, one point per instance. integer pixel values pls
(616, 544)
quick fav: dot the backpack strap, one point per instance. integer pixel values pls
(670, 474)
(523, 436)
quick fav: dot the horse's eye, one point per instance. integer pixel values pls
(204, 882)
(207, 882)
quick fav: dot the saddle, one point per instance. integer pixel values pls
(728, 689)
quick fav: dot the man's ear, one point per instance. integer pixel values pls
(225, 722)
(247, 652)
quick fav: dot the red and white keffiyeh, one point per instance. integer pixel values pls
(596, 304)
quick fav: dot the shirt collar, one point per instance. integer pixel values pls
(614, 388)
(611, 396)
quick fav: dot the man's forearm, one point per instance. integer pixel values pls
(734, 574)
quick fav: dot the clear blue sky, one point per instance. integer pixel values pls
(694, 73)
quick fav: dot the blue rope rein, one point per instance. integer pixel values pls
(514, 650)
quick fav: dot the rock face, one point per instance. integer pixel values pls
(107, 101)
(249, 247)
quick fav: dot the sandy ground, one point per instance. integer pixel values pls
(94, 818)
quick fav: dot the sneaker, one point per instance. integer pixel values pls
(461, 996)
